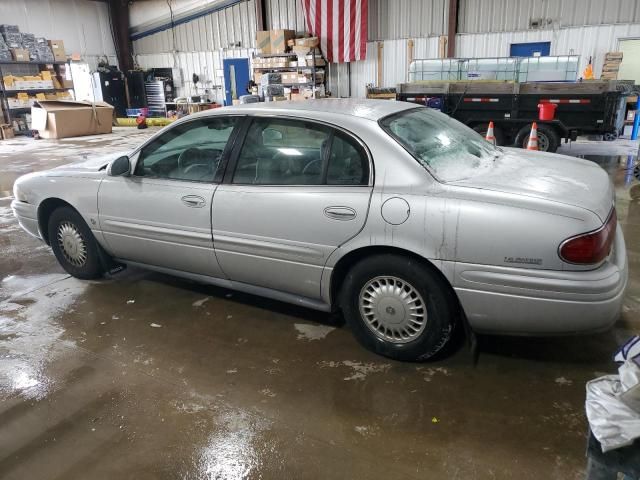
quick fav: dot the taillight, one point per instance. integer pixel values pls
(591, 247)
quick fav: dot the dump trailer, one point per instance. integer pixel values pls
(583, 108)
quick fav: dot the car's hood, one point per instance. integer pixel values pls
(93, 164)
(553, 177)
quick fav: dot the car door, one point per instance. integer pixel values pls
(294, 191)
(161, 214)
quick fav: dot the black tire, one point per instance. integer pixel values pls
(91, 267)
(441, 307)
(497, 132)
(549, 143)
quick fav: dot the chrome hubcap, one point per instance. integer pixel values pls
(543, 142)
(393, 309)
(72, 244)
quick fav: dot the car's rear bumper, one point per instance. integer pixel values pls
(27, 216)
(541, 302)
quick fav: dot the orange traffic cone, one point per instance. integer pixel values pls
(532, 144)
(490, 137)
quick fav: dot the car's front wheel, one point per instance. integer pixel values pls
(73, 244)
(397, 307)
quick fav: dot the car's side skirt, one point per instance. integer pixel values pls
(239, 286)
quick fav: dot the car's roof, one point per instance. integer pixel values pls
(368, 109)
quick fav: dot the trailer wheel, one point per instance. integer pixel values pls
(497, 132)
(610, 136)
(548, 138)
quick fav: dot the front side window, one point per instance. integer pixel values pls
(451, 150)
(191, 151)
(297, 152)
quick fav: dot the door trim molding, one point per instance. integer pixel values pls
(239, 286)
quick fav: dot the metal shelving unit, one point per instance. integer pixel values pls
(156, 100)
(302, 69)
(5, 68)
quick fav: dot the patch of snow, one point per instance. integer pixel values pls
(267, 393)
(563, 381)
(359, 371)
(199, 303)
(155, 325)
(430, 372)
(130, 302)
(312, 332)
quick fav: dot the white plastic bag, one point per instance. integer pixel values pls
(614, 422)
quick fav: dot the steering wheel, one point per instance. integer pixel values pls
(310, 165)
(190, 152)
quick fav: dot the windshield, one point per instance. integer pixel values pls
(446, 147)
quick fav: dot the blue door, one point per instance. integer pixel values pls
(533, 49)
(236, 78)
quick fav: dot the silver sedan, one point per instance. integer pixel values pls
(407, 221)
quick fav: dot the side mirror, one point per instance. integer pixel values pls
(120, 167)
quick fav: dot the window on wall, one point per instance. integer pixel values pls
(530, 49)
(630, 66)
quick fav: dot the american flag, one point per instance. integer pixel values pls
(341, 26)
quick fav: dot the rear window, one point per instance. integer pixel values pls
(446, 147)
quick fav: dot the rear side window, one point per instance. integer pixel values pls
(348, 163)
(296, 152)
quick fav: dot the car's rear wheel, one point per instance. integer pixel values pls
(73, 244)
(397, 307)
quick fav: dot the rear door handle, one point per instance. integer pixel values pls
(194, 201)
(340, 213)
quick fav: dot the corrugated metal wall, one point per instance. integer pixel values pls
(210, 32)
(514, 15)
(388, 19)
(285, 14)
(82, 25)
(394, 19)
(395, 64)
(200, 45)
(584, 41)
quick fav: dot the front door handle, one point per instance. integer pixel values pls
(194, 201)
(340, 213)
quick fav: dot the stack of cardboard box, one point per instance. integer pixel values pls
(26, 47)
(42, 81)
(612, 61)
(273, 41)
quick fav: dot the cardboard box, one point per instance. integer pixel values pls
(6, 132)
(308, 42)
(263, 41)
(613, 56)
(20, 54)
(62, 119)
(57, 47)
(279, 40)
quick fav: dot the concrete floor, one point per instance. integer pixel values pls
(147, 376)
